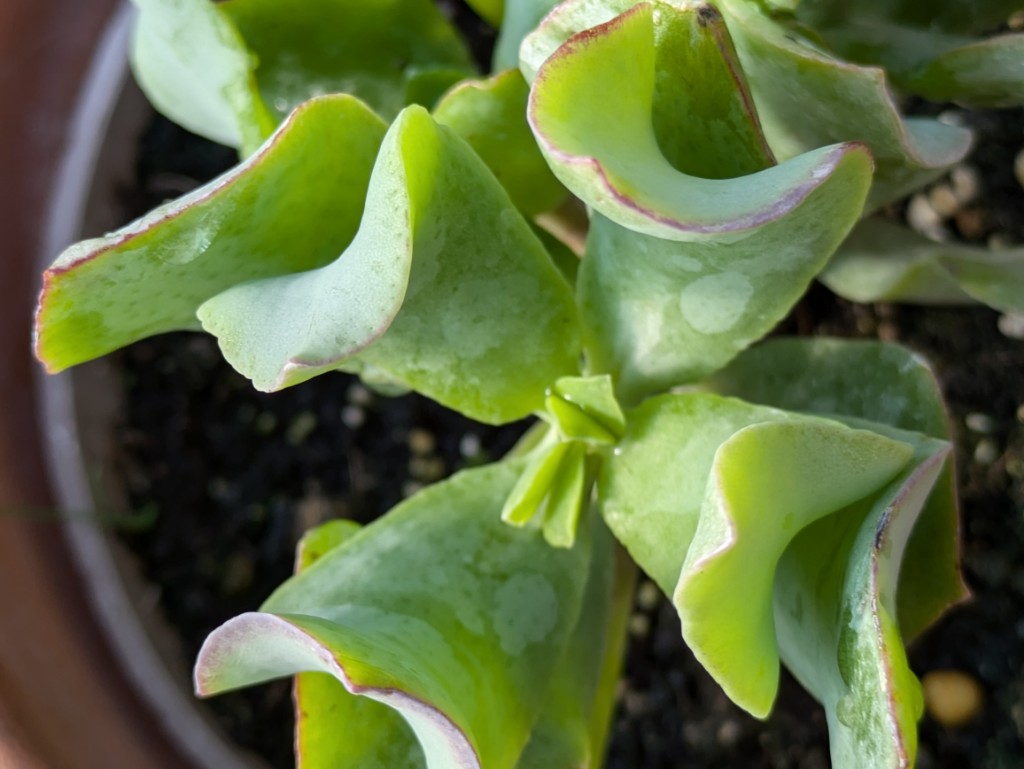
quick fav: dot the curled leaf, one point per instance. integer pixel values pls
(591, 109)
(882, 261)
(808, 98)
(446, 615)
(444, 289)
(291, 206)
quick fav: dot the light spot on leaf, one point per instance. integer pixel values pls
(715, 303)
(525, 611)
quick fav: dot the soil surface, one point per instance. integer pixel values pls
(225, 479)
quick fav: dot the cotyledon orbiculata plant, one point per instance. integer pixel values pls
(398, 215)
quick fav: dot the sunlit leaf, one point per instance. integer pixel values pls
(808, 98)
(887, 385)
(445, 614)
(445, 289)
(491, 116)
(292, 206)
(592, 106)
(371, 48)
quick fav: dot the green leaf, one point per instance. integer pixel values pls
(887, 385)
(591, 108)
(835, 610)
(439, 611)
(444, 289)
(939, 16)
(491, 116)
(521, 16)
(658, 313)
(527, 497)
(585, 409)
(322, 703)
(651, 485)
(194, 66)
(808, 98)
(371, 49)
(490, 11)
(985, 74)
(292, 206)
(882, 261)
(768, 482)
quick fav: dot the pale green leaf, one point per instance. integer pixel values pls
(835, 614)
(326, 713)
(444, 289)
(521, 16)
(807, 98)
(194, 66)
(986, 74)
(591, 108)
(490, 11)
(439, 611)
(658, 313)
(887, 385)
(292, 206)
(491, 116)
(371, 49)
(585, 409)
(652, 484)
(882, 261)
(768, 482)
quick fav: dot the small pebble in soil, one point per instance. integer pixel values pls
(943, 201)
(353, 417)
(981, 423)
(648, 596)
(925, 219)
(966, 183)
(359, 395)
(639, 625)
(986, 452)
(1011, 326)
(300, 428)
(421, 442)
(952, 697)
(469, 446)
(1018, 168)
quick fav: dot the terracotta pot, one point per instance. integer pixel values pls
(81, 684)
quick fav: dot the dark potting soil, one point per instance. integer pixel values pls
(225, 480)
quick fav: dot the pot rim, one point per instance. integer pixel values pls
(58, 419)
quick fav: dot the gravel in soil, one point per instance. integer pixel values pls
(229, 478)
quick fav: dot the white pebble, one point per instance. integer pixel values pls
(986, 452)
(353, 417)
(1011, 325)
(943, 201)
(469, 446)
(966, 183)
(980, 423)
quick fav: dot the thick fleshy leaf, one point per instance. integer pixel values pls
(951, 16)
(922, 54)
(658, 313)
(490, 11)
(593, 103)
(807, 98)
(194, 66)
(335, 729)
(444, 289)
(295, 205)
(521, 17)
(888, 385)
(438, 610)
(231, 71)
(768, 482)
(372, 49)
(835, 613)
(882, 261)
(585, 409)
(988, 73)
(491, 116)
